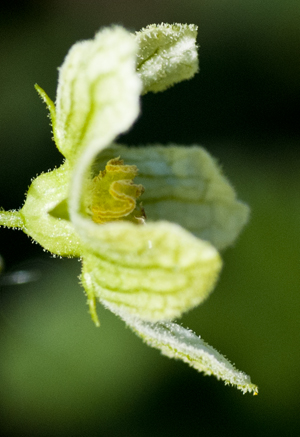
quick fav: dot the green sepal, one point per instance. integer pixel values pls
(51, 107)
(167, 55)
(185, 185)
(180, 343)
(153, 271)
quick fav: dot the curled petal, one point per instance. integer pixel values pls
(96, 81)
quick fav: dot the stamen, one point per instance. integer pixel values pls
(114, 194)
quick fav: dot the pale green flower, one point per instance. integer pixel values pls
(138, 260)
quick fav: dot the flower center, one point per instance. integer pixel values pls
(114, 194)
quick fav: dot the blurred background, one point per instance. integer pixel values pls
(59, 375)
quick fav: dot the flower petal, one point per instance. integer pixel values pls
(115, 106)
(177, 342)
(167, 55)
(96, 81)
(186, 186)
(153, 271)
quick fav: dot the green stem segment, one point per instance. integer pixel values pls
(11, 219)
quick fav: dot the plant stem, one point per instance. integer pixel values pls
(11, 219)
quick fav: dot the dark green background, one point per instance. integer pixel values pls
(61, 376)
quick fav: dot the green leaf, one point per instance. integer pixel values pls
(186, 186)
(177, 342)
(97, 82)
(154, 271)
(167, 55)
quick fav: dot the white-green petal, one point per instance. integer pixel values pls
(186, 186)
(167, 55)
(117, 106)
(180, 343)
(96, 80)
(54, 233)
(155, 271)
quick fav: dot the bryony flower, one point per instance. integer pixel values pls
(147, 262)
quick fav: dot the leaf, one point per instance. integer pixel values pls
(167, 55)
(177, 342)
(154, 271)
(186, 186)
